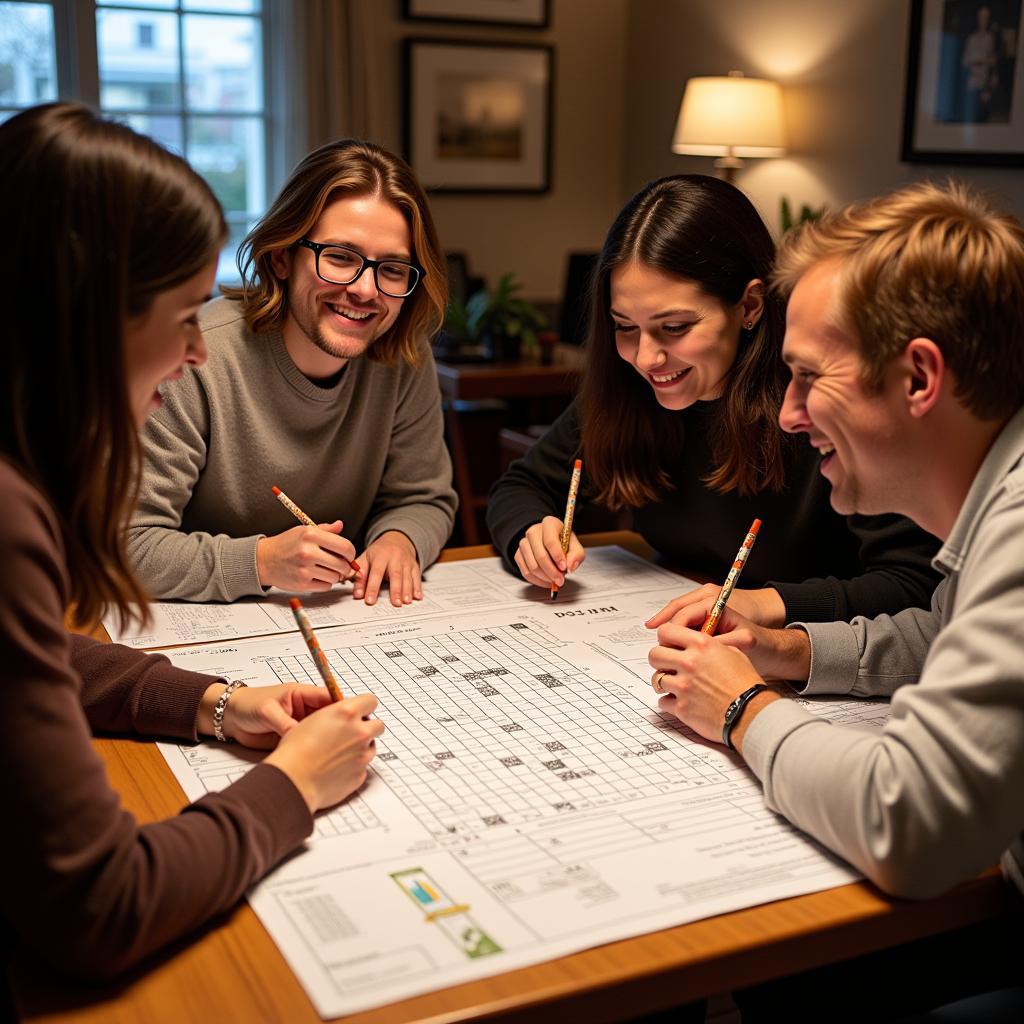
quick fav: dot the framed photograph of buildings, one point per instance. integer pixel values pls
(965, 83)
(525, 13)
(478, 115)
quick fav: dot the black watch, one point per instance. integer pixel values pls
(735, 709)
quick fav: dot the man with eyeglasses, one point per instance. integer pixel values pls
(320, 382)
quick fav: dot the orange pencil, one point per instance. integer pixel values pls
(319, 658)
(711, 623)
(570, 510)
(301, 516)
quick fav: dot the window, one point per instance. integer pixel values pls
(189, 73)
(28, 56)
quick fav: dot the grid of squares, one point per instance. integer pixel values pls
(490, 727)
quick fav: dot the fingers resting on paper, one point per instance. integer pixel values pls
(390, 559)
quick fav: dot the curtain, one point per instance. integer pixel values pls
(320, 73)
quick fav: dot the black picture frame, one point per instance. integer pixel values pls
(478, 116)
(965, 83)
(521, 13)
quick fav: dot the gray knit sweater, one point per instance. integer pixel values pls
(368, 450)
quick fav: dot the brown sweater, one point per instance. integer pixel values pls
(83, 884)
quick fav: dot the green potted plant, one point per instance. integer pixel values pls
(789, 221)
(503, 323)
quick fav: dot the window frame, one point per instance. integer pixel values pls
(78, 76)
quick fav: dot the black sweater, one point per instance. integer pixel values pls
(826, 567)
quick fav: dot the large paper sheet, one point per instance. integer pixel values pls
(454, 588)
(528, 800)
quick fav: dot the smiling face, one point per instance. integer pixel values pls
(856, 431)
(328, 324)
(679, 338)
(159, 343)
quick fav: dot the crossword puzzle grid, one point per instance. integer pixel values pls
(488, 727)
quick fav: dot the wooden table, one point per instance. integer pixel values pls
(232, 971)
(477, 381)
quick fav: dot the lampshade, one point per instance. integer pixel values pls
(730, 116)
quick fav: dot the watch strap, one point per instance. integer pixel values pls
(735, 710)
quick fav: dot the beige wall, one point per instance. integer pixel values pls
(842, 66)
(620, 70)
(528, 234)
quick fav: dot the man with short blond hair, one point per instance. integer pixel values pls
(905, 339)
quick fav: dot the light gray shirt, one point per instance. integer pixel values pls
(368, 450)
(938, 795)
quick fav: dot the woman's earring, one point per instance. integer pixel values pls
(748, 325)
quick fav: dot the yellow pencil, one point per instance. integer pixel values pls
(301, 516)
(711, 623)
(570, 511)
(319, 658)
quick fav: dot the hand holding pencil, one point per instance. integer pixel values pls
(711, 622)
(762, 606)
(542, 557)
(687, 610)
(326, 754)
(570, 511)
(306, 558)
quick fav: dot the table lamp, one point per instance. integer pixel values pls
(730, 117)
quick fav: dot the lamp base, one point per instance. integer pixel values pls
(727, 166)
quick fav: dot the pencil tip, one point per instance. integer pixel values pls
(554, 594)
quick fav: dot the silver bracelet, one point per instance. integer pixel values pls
(221, 706)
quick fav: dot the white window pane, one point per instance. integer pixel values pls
(227, 267)
(229, 154)
(138, 58)
(28, 58)
(222, 63)
(243, 6)
(165, 129)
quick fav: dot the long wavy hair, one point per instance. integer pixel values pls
(703, 230)
(99, 221)
(343, 169)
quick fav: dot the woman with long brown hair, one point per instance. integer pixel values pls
(113, 247)
(677, 423)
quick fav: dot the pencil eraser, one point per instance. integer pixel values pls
(296, 604)
(276, 490)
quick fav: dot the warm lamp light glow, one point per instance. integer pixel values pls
(730, 117)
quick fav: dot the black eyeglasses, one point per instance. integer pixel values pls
(338, 264)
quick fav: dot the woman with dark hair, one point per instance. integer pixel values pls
(114, 247)
(677, 422)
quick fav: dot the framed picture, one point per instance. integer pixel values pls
(965, 83)
(478, 116)
(532, 13)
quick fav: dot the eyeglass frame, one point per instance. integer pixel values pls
(318, 247)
